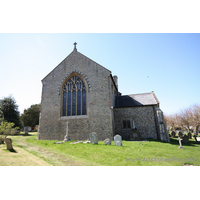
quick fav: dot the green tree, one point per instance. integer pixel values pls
(6, 128)
(1, 114)
(10, 110)
(30, 117)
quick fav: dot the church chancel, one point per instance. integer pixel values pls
(79, 96)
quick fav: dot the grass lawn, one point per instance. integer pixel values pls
(152, 153)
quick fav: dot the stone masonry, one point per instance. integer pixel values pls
(100, 89)
(144, 120)
(106, 108)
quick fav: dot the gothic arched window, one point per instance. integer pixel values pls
(74, 97)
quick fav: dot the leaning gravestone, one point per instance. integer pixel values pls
(180, 147)
(93, 138)
(118, 140)
(189, 135)
(107, 141)
(173, 134)
(185, 139)
(8, 142)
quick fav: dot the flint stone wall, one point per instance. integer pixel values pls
(99, 113)
(144, 119)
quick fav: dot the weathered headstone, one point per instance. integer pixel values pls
(134, 134)
(173, 134)
(185, 139)
(67, 135)
(93, 138)
(8, 142)
(195, 137)
(86, 142)
(26, 130)
(179, 139)
(118, 140)
(107, 141)
(180, 134)
(189, 135)
(76, 142)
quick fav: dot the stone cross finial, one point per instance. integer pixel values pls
(75, 45)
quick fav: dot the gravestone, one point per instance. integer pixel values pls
(8, 142)
(134, 134)
(93, 138)
(185, 139)
(195, 137)
(173, 134)
(189, 135)
(76, 142)
(180, 134)
(118, 140)
(107, 141)
(67, 135)
(26, 130)
(86, 142)
(179, 139)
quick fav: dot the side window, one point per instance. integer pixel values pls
(126, 124)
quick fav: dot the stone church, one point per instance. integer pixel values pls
(84, 95)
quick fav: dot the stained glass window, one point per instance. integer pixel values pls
(74, 97)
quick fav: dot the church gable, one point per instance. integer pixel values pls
(72, 60)
(77, 91)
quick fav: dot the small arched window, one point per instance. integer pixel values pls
(74, 97)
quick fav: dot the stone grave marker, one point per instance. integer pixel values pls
(8, 142)
(173, 134)
(67, 135)
(185, 139)
(107, 141)
(118, 140)
(26, 130)
(93, 138)
(179, 139)
(180, 134)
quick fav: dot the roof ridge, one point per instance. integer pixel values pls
(57, 65)
(139, 93)
(68, 56)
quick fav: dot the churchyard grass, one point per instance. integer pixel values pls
(152, 153)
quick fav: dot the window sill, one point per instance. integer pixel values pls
(74, 117)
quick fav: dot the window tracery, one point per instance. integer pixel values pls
(74, 97)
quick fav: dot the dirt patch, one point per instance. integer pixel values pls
(21, 158)
(49, 157)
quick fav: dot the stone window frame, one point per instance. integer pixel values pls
(127, 121)
(61, 92)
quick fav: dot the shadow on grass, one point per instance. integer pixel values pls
(174, 141)
(11, 150)
(22, 134)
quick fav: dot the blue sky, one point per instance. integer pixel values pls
(168, 64)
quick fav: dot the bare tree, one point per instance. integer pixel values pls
(195, 117)
(184, 117)
(171, 120)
